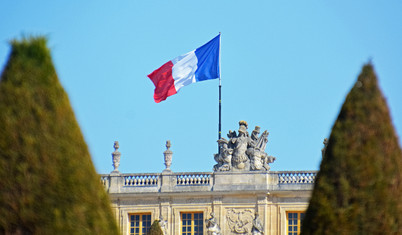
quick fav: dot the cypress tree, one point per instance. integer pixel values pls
(48, 184)
(155, 229)
(358, 189)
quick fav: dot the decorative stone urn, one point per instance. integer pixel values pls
(168, 157)
(116, 158)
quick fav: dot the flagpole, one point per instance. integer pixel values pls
(220, 95)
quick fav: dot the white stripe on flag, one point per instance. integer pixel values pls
(183, 71)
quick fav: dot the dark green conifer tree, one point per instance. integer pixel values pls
(155, 229)
(358, 189)
(48, 184)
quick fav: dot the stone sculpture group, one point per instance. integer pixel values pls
(243, 152)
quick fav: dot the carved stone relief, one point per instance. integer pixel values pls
(240, 221)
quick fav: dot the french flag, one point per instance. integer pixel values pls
(195, 66)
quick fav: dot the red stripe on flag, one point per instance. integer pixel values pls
(163, 81)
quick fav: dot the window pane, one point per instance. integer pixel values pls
(192, 223)
(294, 222)
(139, 224)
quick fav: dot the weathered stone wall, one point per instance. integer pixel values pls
(234, 197)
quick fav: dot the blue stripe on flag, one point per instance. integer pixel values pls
(208, 60)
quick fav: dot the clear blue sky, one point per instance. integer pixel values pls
(286, 66)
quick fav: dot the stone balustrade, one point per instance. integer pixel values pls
(148, 180)
(207, 181)
(105, 180)
(193, 178)
(296, 177)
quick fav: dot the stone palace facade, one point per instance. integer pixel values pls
(241, 195)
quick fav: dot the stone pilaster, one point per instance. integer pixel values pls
(166, 213)
(262, 209)
(218, 209)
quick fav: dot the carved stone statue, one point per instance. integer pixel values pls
(258, 227)
(163, 224)
(243, 152)
(255, 133)
(224, 159)
(116, 158)
(212, 226)
(259, 159)
(240, 144)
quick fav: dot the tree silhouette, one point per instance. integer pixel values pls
(48, 184)
(155, 229)
(358, 189)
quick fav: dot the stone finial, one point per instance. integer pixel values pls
(116, 158)
(168, 156)
(325, 142)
